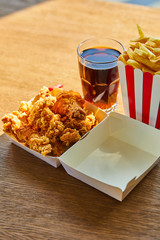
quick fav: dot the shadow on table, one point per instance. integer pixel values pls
(7, 6)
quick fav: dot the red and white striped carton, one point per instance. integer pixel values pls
(140, 94)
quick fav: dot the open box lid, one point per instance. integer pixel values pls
(114, 156)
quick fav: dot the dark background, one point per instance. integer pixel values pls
(11, 6)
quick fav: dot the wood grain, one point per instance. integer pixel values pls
(37, 201)
(38, 45)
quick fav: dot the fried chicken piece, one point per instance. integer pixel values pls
(50, 124)
(70, 136)
(58, 148)
(82, 126)
(87, 124)
(55, 128)
(44, 92)
(11, 123)
(22, 116)
(41, 108)
(40, 115)
(46, 96)
(24, 133)
(25, 107)
(70, 103)
(39, 144)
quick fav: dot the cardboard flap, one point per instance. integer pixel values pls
(115, 155)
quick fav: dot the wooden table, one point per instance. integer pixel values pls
(37, 201)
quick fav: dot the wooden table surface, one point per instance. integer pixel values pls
(37, 48)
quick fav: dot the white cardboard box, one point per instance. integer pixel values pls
(114, 156)
(54, 161)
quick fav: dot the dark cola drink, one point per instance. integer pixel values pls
(99, 76)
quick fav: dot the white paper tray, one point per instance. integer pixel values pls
(54, 161)
(114, 156)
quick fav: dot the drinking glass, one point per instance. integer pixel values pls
(98, 70)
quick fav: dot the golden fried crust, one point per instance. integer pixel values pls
(70, 136)
(72, 96)
(58, 148)
(82, 126)
(55, 128)
(25, 107)
(24, 133)
(11, 123)
(70, 103)
(50, 124)
(40, 144)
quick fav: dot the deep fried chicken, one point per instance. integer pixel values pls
(82, 126)
(50, 123)
(55, 128)
(70, 104)
(70, 136)
(58, 148)
(39, 144)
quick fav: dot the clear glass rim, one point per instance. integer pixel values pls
(94, 38)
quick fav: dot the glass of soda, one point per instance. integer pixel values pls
(98, 69)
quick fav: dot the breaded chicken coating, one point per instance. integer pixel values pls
(50, 124)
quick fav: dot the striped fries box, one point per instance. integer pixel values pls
(140, 94)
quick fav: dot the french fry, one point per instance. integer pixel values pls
(150, 54)
(156, 51)
(125, 55)
(143, 53)
(140, 53)
(156, 60)
(130, 53)
(140, 31)
(146, 62)
(155, 40)
(134, 64)
(145, 69)
(140, 39)
(157, 73)
(121, 58)
(151, 49)
(135, 45)
(150, 43)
